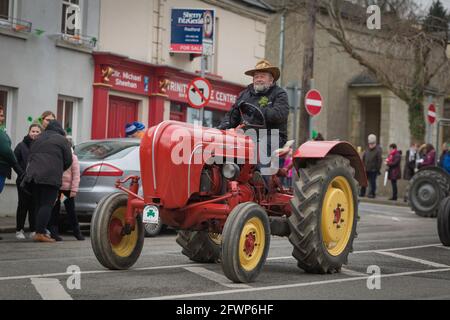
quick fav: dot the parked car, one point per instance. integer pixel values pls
(102, 162)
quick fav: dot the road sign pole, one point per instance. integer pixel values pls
(202, 74)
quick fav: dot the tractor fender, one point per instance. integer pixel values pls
(320, 149)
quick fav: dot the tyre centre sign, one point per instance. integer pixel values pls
(220, 98)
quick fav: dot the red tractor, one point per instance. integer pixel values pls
(225, 211)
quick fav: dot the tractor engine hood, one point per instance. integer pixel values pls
(173, 154)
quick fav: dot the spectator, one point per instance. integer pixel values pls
(372, 161)
(410, 164)
(69, 188)
(46, 117)
(393, 162)
(135, 130)
(442, 156)
(25, 204)
(7, 158)
(429, 158)
(319, 137)
(50, 155)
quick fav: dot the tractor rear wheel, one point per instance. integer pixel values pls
(245, 242)
(427, 188)
(112, 249)
(443, 222)
(200, 246)
(324, 215)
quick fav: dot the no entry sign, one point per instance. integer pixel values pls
(431, 113)
(199, 93)
(313, 102)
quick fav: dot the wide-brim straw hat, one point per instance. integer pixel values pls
(265, 66)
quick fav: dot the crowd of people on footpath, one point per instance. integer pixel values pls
(416, 157)
(47, 172)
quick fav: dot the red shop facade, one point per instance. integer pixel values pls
(127, 90)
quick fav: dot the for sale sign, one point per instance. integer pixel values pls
(191, 30)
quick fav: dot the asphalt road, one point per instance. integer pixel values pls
(403, 247)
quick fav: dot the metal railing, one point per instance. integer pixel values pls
(14, 24)
(80, 40)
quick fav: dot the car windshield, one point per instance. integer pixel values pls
(100, 150)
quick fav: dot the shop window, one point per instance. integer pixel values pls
(65, 114)
(211, 118)
(71, 17)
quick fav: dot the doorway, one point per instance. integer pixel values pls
(121, 111)
(370, 118)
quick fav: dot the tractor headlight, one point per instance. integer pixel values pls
(231, 171)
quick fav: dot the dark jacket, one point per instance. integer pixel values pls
(394, 166)
(7, 158)
(429, 159)
(372, 159)
(273, 104)
(408, 169)
(22, 151)
(50, 155)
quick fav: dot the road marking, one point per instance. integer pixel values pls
(50, 289)
(425, 262)
(94, 272)
(294, 285)
(216, 277)
(352, 273)
(397, 249)
(444, 247)
(192, 265)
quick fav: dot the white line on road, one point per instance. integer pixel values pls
(191, 265)
(444, 247)
(294, 285)
(421, 261)
(94, 272)
(352, 273)
(216, 277)
(50, 289)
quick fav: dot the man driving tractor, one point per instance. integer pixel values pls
(267, 96)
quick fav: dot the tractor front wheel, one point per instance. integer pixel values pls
(324, 215)
(443, 221)
(200, 246)
(245, 242)
(113, 249)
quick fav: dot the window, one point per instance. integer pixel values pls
(211, 119)
(71, 17)
(4, 9)
(211, 60)
(6, 102)
(65, 115)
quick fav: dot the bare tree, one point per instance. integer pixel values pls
(403, 55)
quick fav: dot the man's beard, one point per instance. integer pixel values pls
(261, 87)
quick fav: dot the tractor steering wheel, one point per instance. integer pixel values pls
(248, 112)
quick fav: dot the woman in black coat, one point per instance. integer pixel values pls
(25, 204)
(50, 155)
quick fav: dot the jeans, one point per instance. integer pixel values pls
(69, 204)
(24, 207)
(2, 183)
(44, 198)
(372, 177)
(394, 189)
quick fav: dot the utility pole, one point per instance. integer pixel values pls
(308, 66)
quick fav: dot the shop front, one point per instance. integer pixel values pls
(126, 90)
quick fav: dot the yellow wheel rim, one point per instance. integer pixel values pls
(215, 237)
(337, 216)
(251, 244)
(122, 246)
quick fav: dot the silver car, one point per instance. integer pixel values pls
(102, 162)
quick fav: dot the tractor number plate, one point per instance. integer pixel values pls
(150, 215)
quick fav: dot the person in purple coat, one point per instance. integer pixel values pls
(393, 163)
(430, 157)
